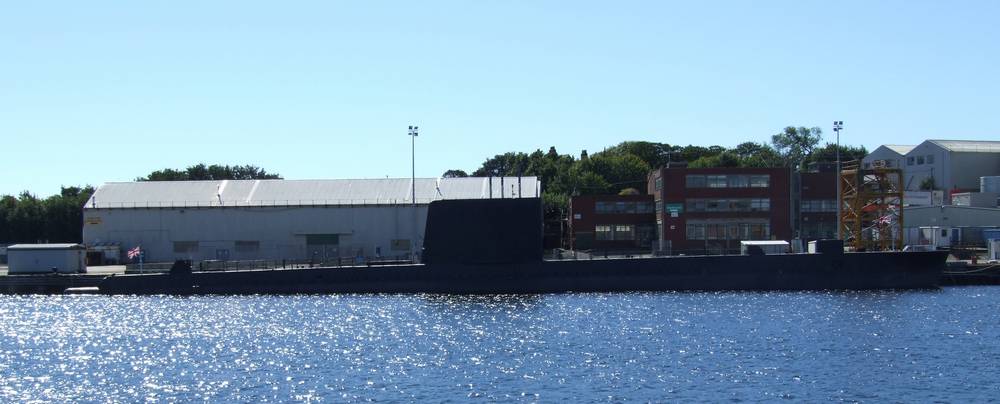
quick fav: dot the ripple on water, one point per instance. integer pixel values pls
(904, 346)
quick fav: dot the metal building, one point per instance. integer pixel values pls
(317, 220)
(887, 156)
(953, 164)
(969, 221)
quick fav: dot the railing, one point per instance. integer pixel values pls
(273, 264)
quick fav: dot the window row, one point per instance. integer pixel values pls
(729, 205)
(614, 232)
(728, 181)
(728, 231)
(624, 207)
(920, 160)
(819, 205)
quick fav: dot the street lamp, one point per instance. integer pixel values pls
(413, 162)
(837, 127)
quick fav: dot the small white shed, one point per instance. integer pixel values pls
(768, 246)
(46, 258)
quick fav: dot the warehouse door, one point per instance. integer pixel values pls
(323, 247)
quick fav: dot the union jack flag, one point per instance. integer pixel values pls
(133, 253)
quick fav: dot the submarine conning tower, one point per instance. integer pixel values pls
(483, 231)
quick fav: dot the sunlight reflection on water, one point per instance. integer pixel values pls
(904, 346)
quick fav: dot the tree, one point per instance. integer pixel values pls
(509, 164)
(454, 174)
(724, 159)
(795, 144)
(829, 153)
(201, 172)
(620, 171)
(927, 184)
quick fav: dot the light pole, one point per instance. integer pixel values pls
(413, 162)
(837, 127)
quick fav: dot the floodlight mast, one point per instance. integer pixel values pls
(837, 127)
(413, 163)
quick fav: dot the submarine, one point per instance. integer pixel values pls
(494, 246)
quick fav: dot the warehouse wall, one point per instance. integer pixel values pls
(279, 232)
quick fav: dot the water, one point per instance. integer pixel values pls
(859, 346)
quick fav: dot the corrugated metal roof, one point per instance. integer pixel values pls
(899, 148)
(381, 191)
(968, 146)
(54, 246)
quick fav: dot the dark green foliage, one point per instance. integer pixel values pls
(796, 144)
(56, 219)
(201, 172)
(455, 174)
(829, 153)
(927, 184)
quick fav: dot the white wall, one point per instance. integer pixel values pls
(281, 232)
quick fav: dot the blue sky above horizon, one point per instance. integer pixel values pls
(93, 92)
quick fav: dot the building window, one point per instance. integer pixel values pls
(658, 183)
(930, 159)
(185, 247)
(626, 207)
(624, 232)
(644, 207)
(920, 160)
(909, 161)
(760, 181)
(695, 181)
(728, 231)
(819, 205)
(603, 232)
(728, 181)
(247, 246)
(716, 181)
(729, 205)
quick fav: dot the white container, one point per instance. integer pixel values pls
(46, 258)
(768, 246)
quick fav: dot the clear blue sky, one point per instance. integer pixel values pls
(94, 91)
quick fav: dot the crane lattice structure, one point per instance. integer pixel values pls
(872, 215)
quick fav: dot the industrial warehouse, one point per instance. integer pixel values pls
(318, 220)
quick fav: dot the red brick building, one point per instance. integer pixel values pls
(817, 208)
(710, 210)
(611, 222)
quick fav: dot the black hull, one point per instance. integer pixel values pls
(849, 271)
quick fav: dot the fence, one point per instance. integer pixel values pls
(247, 265)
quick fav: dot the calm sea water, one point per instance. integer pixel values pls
(862, 346)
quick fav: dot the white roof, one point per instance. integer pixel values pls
(381, 191)
(968, 146)
(60, 246)
(899, 148)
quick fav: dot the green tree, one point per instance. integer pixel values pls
(724, 159)
(796, 143)
(454, 174)
(828, 153)
(201, 172)
(927, 184)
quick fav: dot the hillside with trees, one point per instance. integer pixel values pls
(59, 218)
(627, 164)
